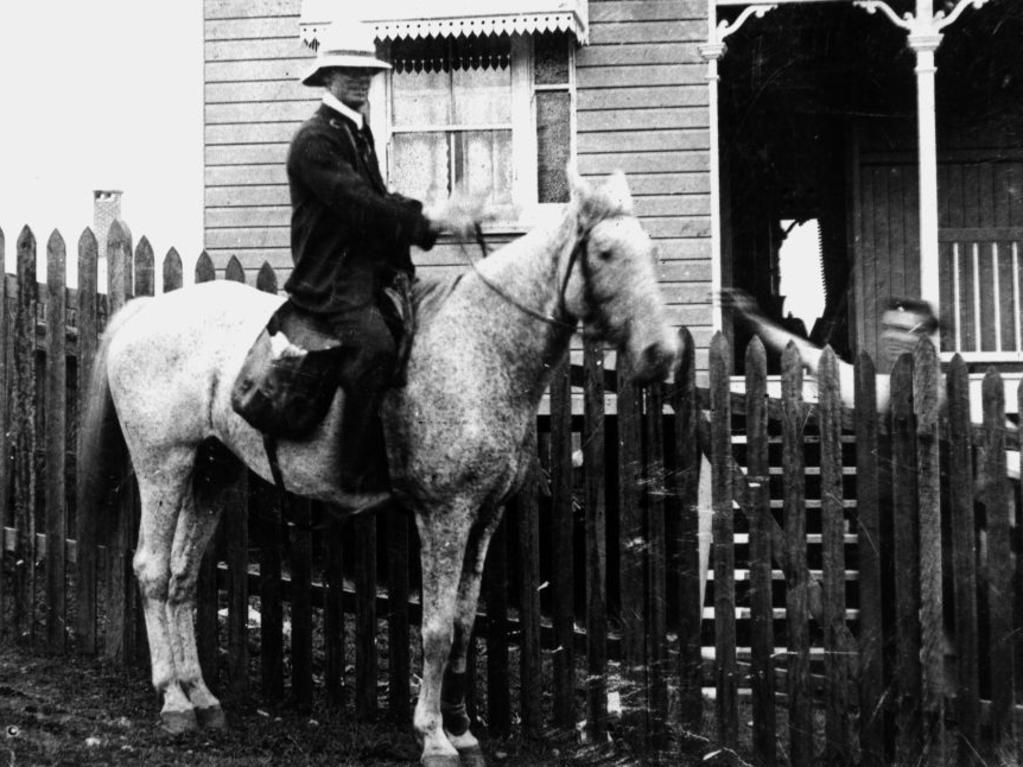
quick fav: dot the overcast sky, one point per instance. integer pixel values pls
(102, 94)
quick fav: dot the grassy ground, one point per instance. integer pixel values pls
(73, 711)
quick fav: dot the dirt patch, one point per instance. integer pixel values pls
(73, 711)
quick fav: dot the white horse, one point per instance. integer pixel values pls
(459, 433)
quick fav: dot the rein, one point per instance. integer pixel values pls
(578, 248)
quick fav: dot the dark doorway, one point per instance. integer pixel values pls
(808, 90)
(793, 86)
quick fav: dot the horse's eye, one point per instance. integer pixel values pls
(605, 254)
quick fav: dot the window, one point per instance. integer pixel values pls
(492, 114)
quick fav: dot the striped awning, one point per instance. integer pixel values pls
(407, 19)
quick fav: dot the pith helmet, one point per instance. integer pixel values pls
(345, 46)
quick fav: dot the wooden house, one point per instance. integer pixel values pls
(616, 84)
(728, 116)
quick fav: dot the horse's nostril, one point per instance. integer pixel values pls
(659, 354)
(656, 361)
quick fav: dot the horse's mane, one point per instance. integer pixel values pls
(429, 292)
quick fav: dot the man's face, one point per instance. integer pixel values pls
(350, 85)
(900, 331)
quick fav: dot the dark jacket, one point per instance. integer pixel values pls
(349, 235)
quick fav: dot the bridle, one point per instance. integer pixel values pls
(578, 254)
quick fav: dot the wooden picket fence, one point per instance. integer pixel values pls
(834, 585)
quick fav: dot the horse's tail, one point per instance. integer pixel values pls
(101, 444)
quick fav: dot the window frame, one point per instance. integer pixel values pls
(525, 194)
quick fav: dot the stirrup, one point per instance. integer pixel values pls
(359, 502)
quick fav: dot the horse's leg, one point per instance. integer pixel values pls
(161, 503)
(455, 716)
(443, 535)
(194, 530)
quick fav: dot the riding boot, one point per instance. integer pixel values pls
(362, 452)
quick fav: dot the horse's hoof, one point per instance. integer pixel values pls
(211, 718)
(473, 757)
(178, 722)
(441, 760)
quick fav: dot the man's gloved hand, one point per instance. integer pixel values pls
(458, 214)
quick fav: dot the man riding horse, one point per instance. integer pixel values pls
(350, 240)
(461, 430)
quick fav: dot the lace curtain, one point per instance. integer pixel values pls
(451, 117)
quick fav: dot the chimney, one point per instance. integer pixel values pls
(106, 208)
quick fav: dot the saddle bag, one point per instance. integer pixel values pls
(289, 377)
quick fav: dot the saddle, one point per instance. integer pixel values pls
(289, 377)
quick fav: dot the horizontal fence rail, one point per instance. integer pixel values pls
(702, 571)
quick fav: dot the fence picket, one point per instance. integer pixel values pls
(204, 270)
(472, 659)
(86, 526)
(23, 427)
(266, 279)
(172, 271)
(206, 618)
(6, 519)
(55, 425)
(687, 478)
(530, 670)
(1017, 617)
(999, 564)
(234, 272)
(301, 552)
(145, 281)
(365, 529)
(495, 585)
(839, 749)
(868, 550)
(656, 598)
(334, 613)
(120, 635)
(632, 553)
(761, 601)
(907, 575)
(120, 272)
(964, 559)
(797, 579)
(235, 522)
(399, 666)
(596, 541)
(723, 547)
(265, 505)
(926, 371)
(563, 549)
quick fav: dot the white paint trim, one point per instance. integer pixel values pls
(957, 300)
(399, 19)
(997, 294)
(524, 148)
(1015, 298)
(930, 281)
(975, 263)
(711, 52)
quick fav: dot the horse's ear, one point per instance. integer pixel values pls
(617, 189)
(579, 188)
